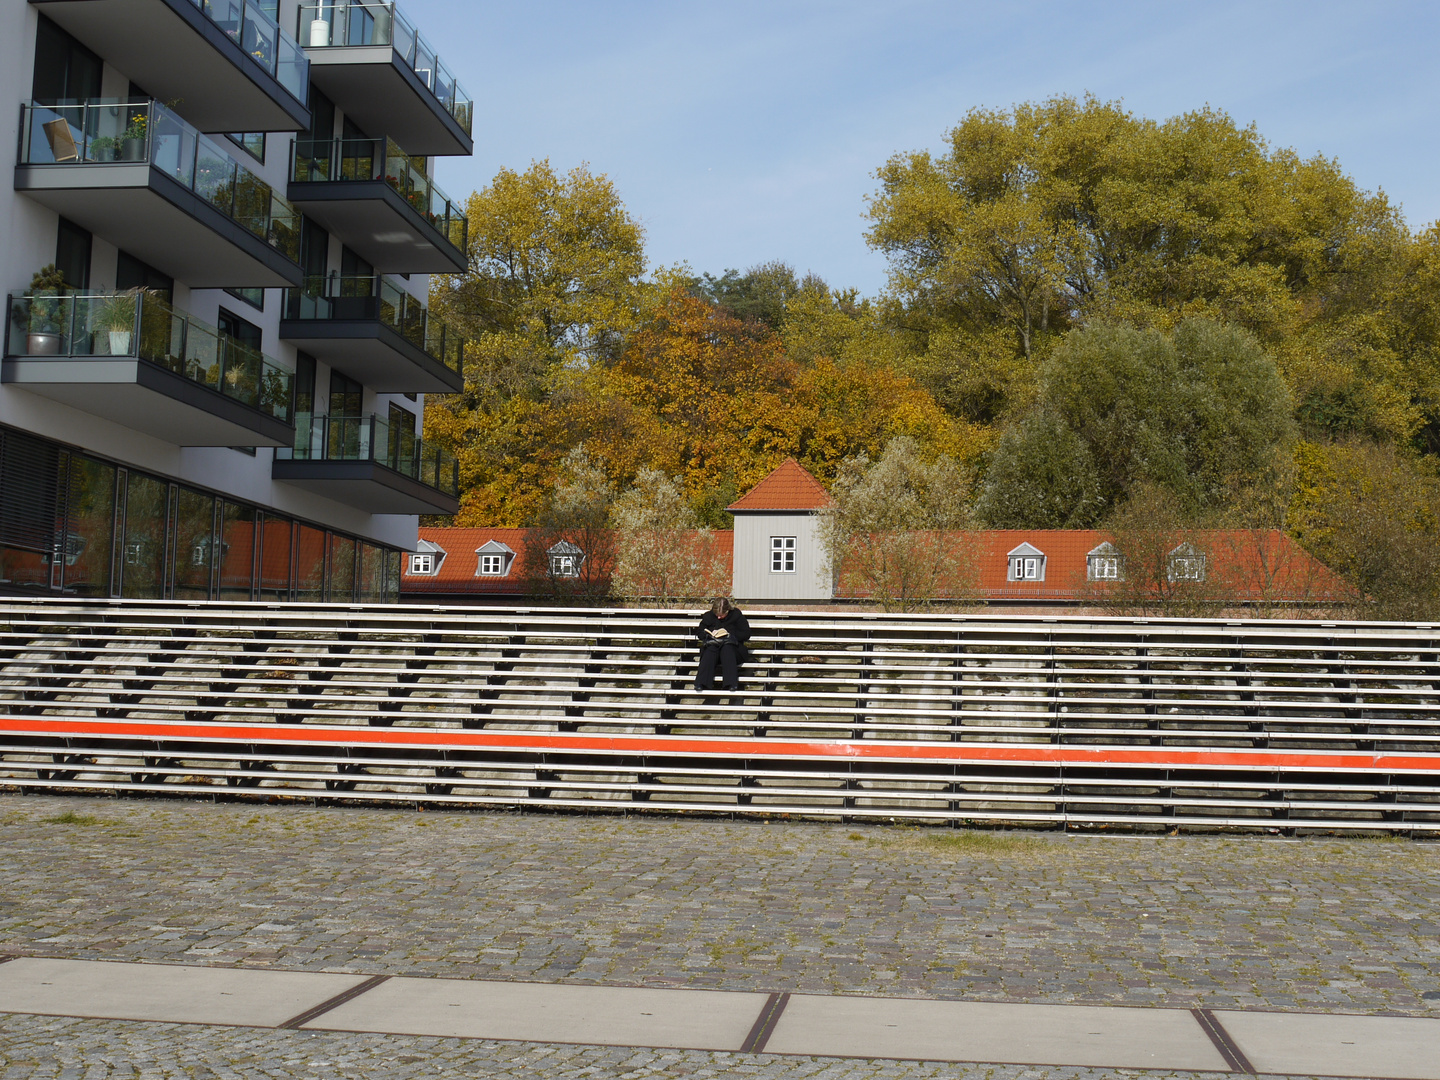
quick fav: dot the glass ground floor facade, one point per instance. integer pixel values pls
(73, 524)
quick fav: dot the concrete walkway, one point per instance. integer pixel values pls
(794, 1024)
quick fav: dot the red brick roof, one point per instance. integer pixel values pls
(788, 487)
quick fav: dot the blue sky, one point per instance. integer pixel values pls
(743, 132)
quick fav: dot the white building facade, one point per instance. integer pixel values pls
(217, 242)
(778, 552)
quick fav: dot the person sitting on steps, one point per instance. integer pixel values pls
(723, 632)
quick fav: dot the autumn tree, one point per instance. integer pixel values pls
(570, 552)
(664, 555)
(761, 293)
(1201, 413)
(553, 284)
(1166, 563)
(1372, 514)
(893, 533)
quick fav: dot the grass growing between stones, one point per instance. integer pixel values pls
(72, 818)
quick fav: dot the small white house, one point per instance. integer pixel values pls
(778, 554)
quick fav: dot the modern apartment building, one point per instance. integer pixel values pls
(217, 247)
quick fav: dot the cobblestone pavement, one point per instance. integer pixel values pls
(1326, 924)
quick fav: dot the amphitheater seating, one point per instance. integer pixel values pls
(981, 718)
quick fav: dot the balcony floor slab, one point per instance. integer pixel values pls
(372, 353)
(379, 226)
(146, 212)
(176, 53)
(365, 485)
(382, 93)
(147, 398)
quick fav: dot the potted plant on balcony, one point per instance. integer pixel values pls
(101, 148)
(132, 139)
(116, 314)
(45, 333)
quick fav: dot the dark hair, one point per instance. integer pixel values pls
(720, 606)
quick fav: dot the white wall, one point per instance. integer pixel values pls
(753, 578)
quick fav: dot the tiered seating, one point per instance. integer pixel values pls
(958, 718)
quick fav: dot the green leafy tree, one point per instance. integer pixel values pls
(761, 293)
(1201, 412)
(576, 516)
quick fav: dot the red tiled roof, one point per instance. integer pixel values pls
(1249, 565)
(788, 487)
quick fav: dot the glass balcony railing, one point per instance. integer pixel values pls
(253, 25)
(380, 159)
(102, 130)
(377, 299)
(373, 438)
(142, 325)
(340, 23)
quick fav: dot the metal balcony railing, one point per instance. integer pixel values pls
(373, 438)
(253, 26)
(321, 161)
(377, 299)
(142, 325)
(349, 23)
(103, 130)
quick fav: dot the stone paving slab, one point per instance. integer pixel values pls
(606, 1015)
(1338, 1045)
(163, 992)
(987, 1031)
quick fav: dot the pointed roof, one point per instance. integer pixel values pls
(788, 487)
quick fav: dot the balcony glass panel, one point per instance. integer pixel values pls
(318, 161)
(340, 23)
(377, 299)
(146, 131)
(371, 438)
(253, 25)
(141, 325)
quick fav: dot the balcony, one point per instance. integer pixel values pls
(376, 196)
(137, 175)
(227, 62)
(374, 331)
(367, 58)
(364, 462)
(132, 358)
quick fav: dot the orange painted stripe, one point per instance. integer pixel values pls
(708, 746)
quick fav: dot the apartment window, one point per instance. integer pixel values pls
(132, 273)
(65, 70)
(782, 554)
(252, 142)
(1025, 563)
(254, 297)
(1104, 563)
(492, 565)
(72, 255)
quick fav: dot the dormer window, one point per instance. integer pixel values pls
(1025, 563)
(426, 560)
(1186, 563)
(565, 560)
(1105, 563)
(493, 559)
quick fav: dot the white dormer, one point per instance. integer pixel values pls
(565, 560)
(1025, 563)
(493, 559)
(1186, 563)
(1104, 563)
(426, 559)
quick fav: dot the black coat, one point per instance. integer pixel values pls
(738, 630)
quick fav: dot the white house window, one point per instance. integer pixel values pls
(1025, 563)
(566, 560)
(493, 559)
(1105, 563)
(1187, 563)
(782, 554)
